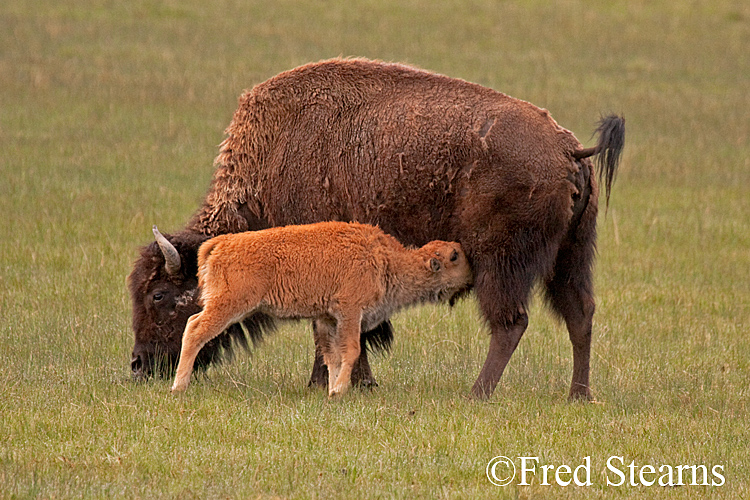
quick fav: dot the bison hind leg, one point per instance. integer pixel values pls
(502, 289)
(576, 307)
(569, 291)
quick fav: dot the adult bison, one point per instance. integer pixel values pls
(425, 157)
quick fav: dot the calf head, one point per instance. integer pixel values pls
(450, 273)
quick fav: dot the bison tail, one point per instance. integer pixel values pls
(379, 339)
(611, 132)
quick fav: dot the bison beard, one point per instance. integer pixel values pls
(425, 157)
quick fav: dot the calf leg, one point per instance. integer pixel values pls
(332, 360)
(321, 335)
(361, 372)
(324, 334)
(348, 346)
(319, 375)
(201, 328)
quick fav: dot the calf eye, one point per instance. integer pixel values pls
(454, 256)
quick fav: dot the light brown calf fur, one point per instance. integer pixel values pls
(351, 277)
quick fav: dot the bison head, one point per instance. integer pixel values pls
(164, 291)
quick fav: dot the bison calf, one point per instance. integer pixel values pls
(350, 277)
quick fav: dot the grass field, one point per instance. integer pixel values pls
(110, 117)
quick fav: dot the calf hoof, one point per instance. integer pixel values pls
(179, 386)
(337, 391)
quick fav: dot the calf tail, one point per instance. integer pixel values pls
(611, 131)
(203, 253)
(205, 250)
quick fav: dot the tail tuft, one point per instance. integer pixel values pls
(611, 131)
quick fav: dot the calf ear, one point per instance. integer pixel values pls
(434, 265)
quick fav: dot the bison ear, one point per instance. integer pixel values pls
(434, 265)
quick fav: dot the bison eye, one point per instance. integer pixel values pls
(454, 256)
(158, 296)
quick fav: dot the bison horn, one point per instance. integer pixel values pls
(171, 255)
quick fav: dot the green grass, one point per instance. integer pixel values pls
(110, 114)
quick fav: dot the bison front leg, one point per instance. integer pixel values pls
(503, 342)
(361, 372)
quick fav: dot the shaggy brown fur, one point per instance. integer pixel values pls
(352, 276)
(425, 157)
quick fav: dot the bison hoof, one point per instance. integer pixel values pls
(317, 382)
(367, 383)
(582, 394)
(480, 392)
